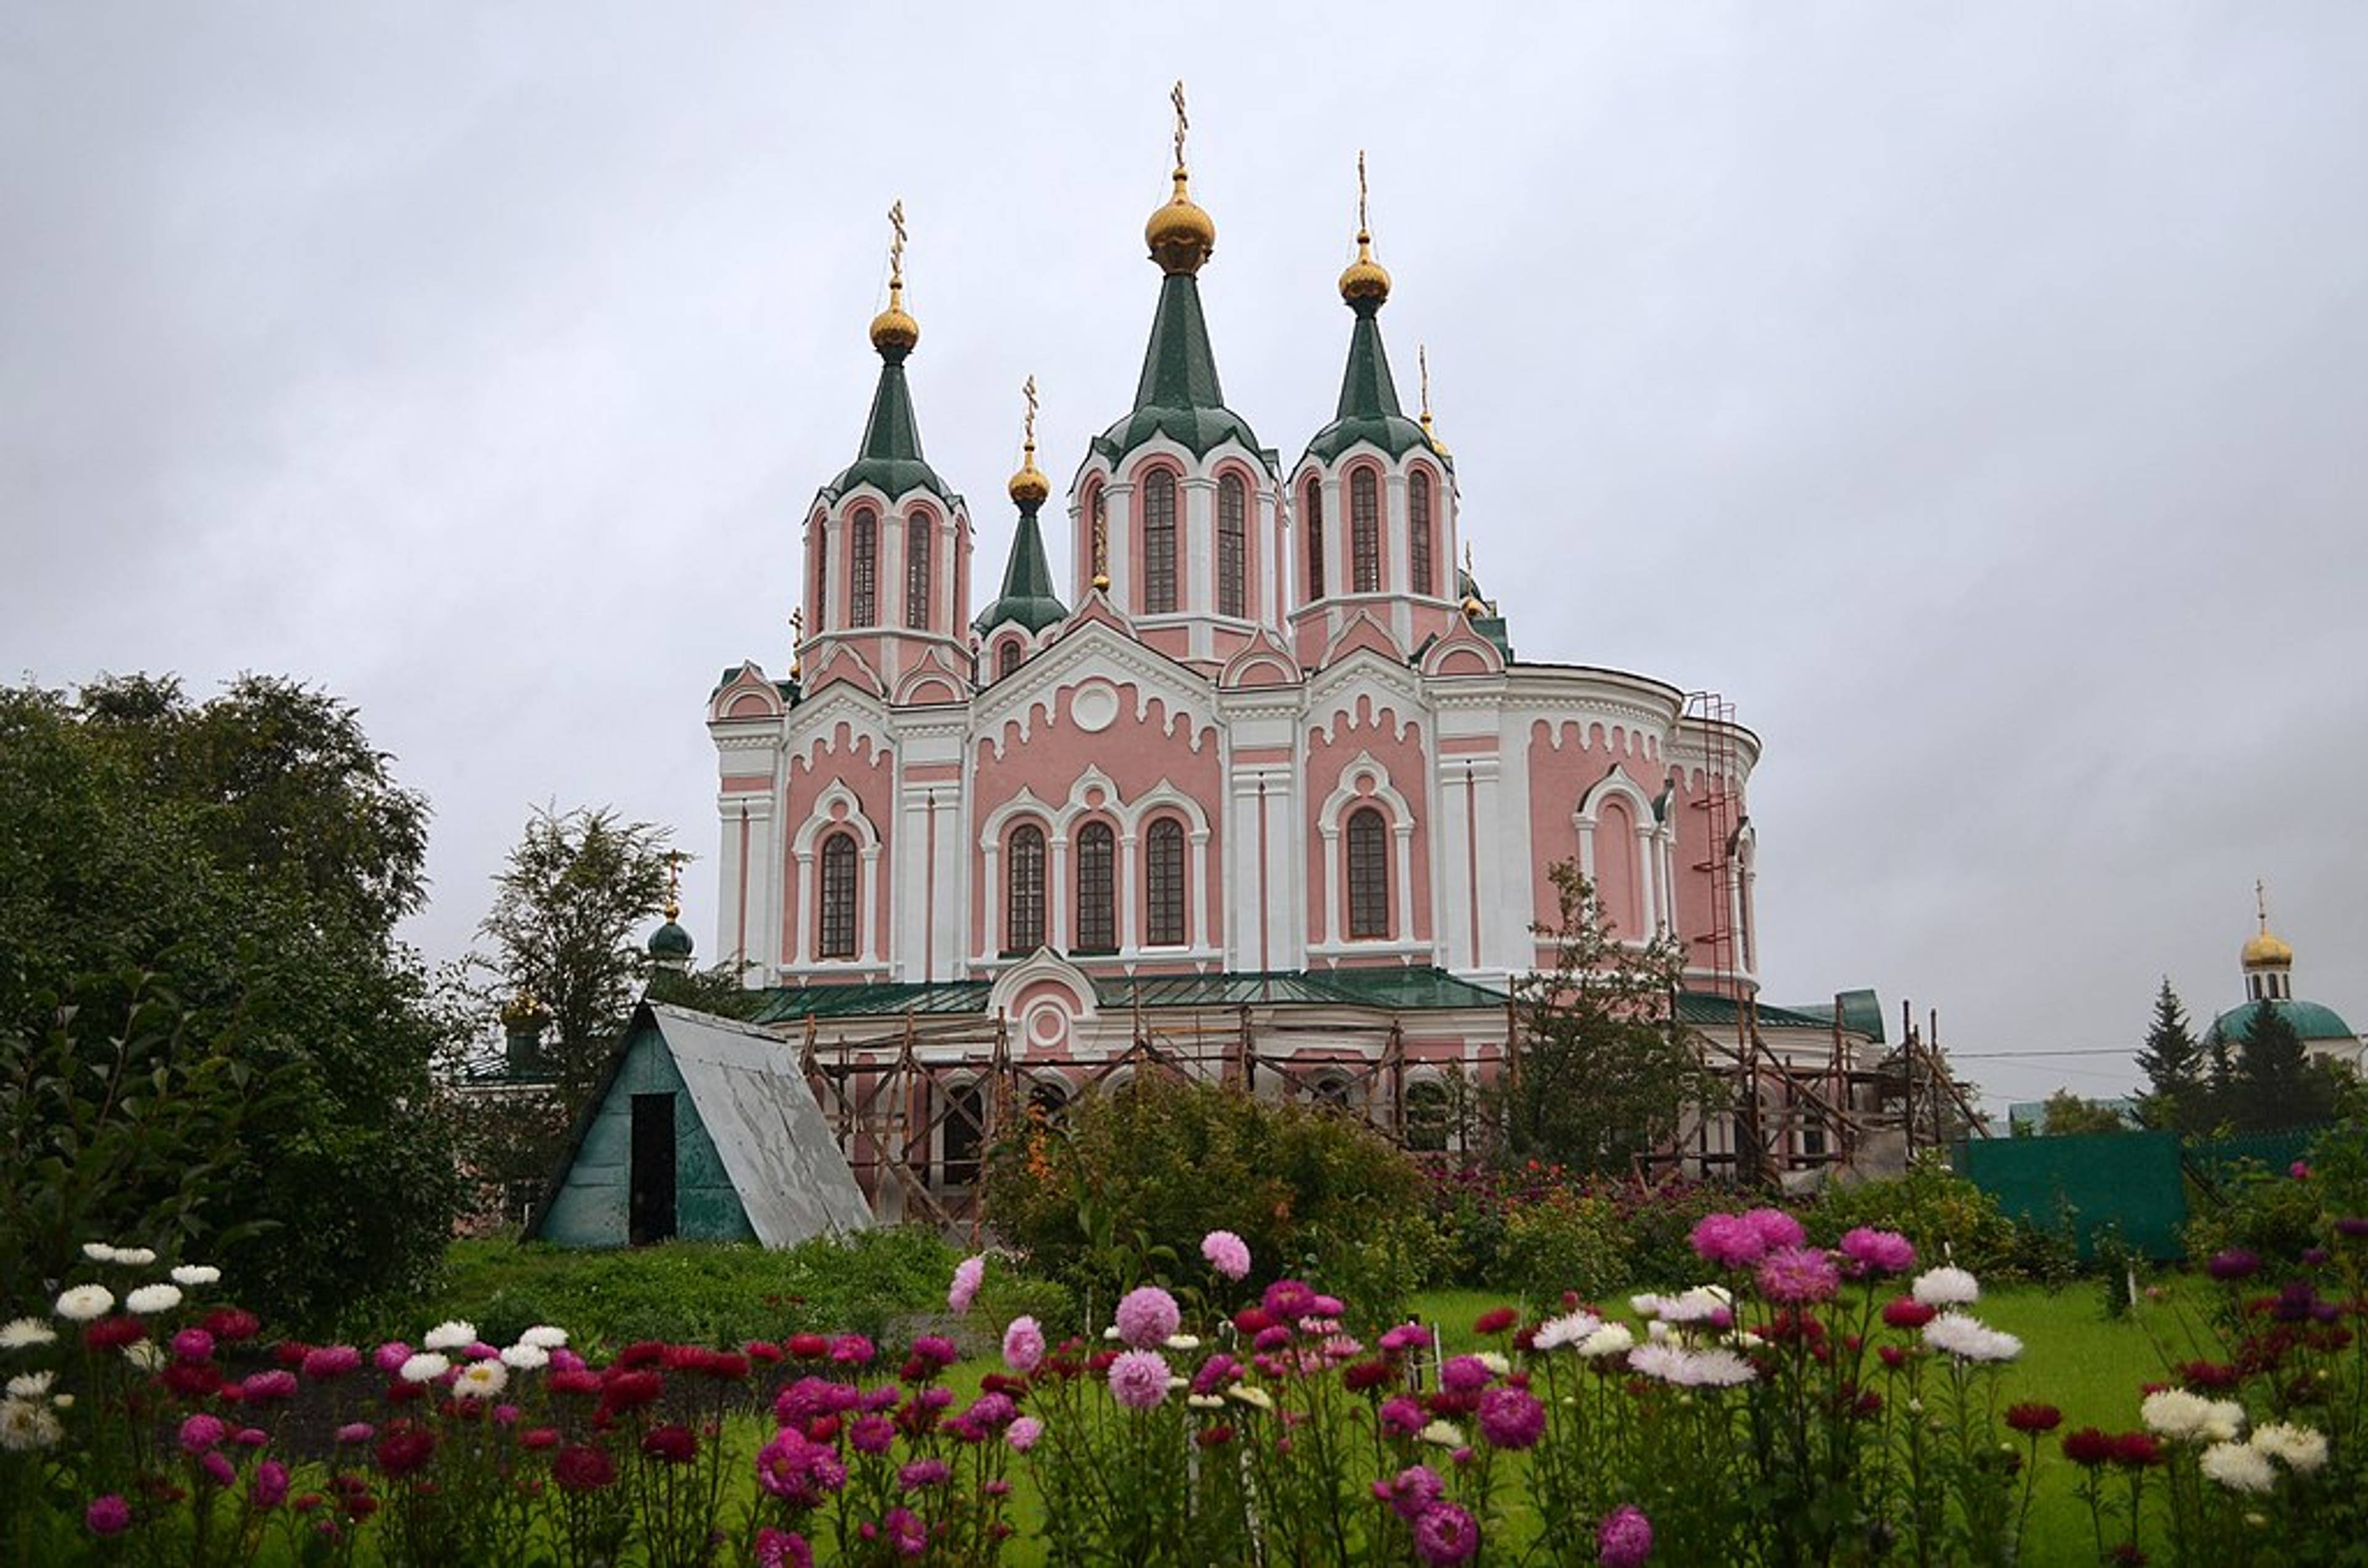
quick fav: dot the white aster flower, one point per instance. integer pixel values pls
(1946, 1287)
(150, 1299)
(1442, 1434)
(30, 1385)
(1570, 1329)
(542, 1337)
(196, 1274)
(1111, 1333)
(2223, 1420)
(2302, 1449)
(1715, 1370)
(1611, 1339)
(450, 1335)
(99, 1252)
(23, 1333)
(1205, 1400)
(1183, 1342)
(481, 1380)
(1970, 1339)
(146, 1354)
(425, 1367)
(525, 1358)
(2175, 1413)
(1657, 1331)
(25, 1425)
(1658, 1360)
(1493, 1361)
(2239, 1467)
(85, 1302)
(1250, 1394)
(63, 1401)
(135, 1257)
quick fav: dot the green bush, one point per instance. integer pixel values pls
(1569, 1240)
(1125, 1190)
(2263, 1212)
(1948, 1218)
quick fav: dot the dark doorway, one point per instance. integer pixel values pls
(649, 1212)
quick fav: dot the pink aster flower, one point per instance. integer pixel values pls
(1797, 1275)
(1465, 1374)
(218, 1469)
(192, 1345)
(1411, 1492)
(1401, 1417)
(1879, 1252)
(1023, 1346)
(968, 1276)
(923, 1473)
(1624, 1539)
(1511, 1418)
(1776, 1228)
(905, 1532)
(1227, 1254)
(270, 1488)
(331, 1361)
(1023, 1433)
(201, 1433)
(390, 1356)
(1138, 1379)
(109, 1515)
(1730, 1241)
(1445, 1534)
(872, 1434)
(782, 1548)
(1146, 1316)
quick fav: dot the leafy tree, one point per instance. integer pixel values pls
(2067, 1115)
(1598, 1072)
(252, 855)
(2179, 1091)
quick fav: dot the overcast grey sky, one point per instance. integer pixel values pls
(1975, 395)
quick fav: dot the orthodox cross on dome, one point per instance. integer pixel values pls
(674, 884)
(1422, 372)
(797, 635)
(2261, 900)
(1176, 97)
(896, 244)
(1361, 226)
(1029, 391)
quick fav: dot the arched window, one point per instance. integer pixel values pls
(1159, 543)
(1314, 540)
(1418, 535)
(962, 1134)
(1006, 658)
(835, 935)
(1369, 875)
(1023, 905)
(1163, 882)
(1097, 889)
(1364, 533)
(916, 573)
(1233, 545)
(1426, 1117)
(1097, 535)
(863, 584)
(818, 614)
(1331, 1090)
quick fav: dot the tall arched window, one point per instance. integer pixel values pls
(1159, 543)
(818, 613)
(1364, 533)
(1314, 540)
(1369, 875)
(1097, 889)
(1006, 658)
(1233, 545)
(1097, 552)
(834, 934)
(916, 573)
(863, 583)
(962, 1134)
(1418, 533)
(1163, 882)
(1023, 903)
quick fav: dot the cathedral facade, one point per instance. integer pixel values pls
(1266, 774)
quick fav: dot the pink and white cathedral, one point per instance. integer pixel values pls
(1265, 771)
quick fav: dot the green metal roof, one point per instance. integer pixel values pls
(1708, 1010)
(1027, 596)
(1861, 1014)
(1178, 396)
(2311, 1020)
(1396, 988)
(871, 998)
(891, 455)
(1369, 407)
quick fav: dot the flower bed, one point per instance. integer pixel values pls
(1799, 1405)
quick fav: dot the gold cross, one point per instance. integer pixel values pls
(896, 246)
(2261, 900)
(1176, 97)
(1362, 227)
(1029, 391)
(1422, 365)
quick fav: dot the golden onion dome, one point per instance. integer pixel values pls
(2266, 951)
(894, 328)
(1365, 278)
(1181, 234)
(1029, 486)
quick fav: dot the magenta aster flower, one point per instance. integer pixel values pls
(1445, 1534)
(331, 1361)
(218, 1469)
(782, 1548)
(1776, 1228)
(923, 1473)
(202, 1432)
(110, 1514)
(905, 1532)
(1879, 1252)
(1465, 1374)
(1138, 1379)
(1798, 1274)
(792, 1468)
(1411, 1492)
(872, 1434)
(1227, 1254)
(1401, 1417)
(1147, 1315)
(192, 1345)
(1023, 1346)
(270, 1488)
(1511, 1418)
(1624, 1539)
(969, 1273)
(1729, 1241)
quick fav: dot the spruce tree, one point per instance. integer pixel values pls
(2174, 1064)
(2274, 1084)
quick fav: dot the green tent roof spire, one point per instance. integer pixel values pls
(1369, 407)
(891, 454)
(1028, 598)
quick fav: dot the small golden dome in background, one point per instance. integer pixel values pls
(1474, 608)
(2267, 949)
(893, 328)
(1365, 278)
(1181, 234)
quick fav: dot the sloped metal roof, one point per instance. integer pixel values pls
(783, 1004)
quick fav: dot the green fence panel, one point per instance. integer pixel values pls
(2128, 1180)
